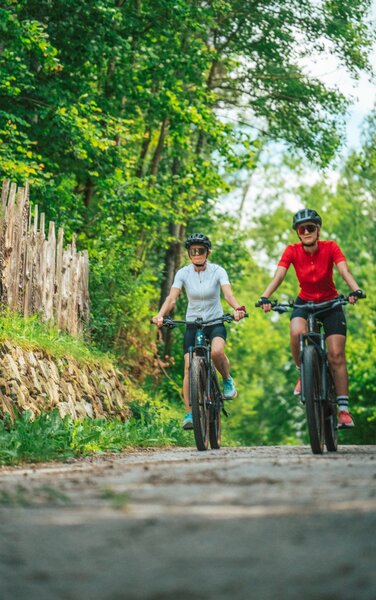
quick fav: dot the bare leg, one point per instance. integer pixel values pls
(219, 357)
(337, 360)
(298, 326)
(186, 383)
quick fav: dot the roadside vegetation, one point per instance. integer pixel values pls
(50, 437)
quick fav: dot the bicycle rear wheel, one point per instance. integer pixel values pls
(330, 416)
(311, 392)
(215, 414)
(198, 400)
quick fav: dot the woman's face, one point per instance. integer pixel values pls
(308, 232)
(198, 254)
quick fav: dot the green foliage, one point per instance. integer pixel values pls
(31, 333)
(119, 144)
(130, 119)
(49, 437)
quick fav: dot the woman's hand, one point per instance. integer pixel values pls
(265, 304)
(239, 313)
(157, 320)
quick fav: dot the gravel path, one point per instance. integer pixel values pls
(270, 523)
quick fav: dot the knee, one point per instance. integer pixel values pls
(296, 331)
(337, 358)
(217, 354)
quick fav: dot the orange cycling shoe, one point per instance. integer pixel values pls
(345, 420)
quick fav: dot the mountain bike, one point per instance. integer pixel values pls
(205, 396)
(318, 392)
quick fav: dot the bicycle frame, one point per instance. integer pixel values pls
(207, 401)
(316, 338)
(317, 382)
(202, 348)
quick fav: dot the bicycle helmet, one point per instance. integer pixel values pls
(198, 238)
(305, 215)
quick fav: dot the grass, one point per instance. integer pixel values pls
(30, 333)
(49, 437)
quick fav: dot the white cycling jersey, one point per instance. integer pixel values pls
(203, 289)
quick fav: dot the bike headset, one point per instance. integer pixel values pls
(304, 216)
(201, 239)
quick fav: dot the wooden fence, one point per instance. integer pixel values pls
(37, 275)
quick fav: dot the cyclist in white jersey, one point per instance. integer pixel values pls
(203, 282)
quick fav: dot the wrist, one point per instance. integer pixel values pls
(243, 308)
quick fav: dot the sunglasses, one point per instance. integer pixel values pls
(309, 228)
(197, 251)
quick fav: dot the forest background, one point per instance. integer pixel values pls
(134, 120)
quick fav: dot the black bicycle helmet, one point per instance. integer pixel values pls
(305, 215)
(198, 238)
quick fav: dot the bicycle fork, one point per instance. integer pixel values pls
(320, 348)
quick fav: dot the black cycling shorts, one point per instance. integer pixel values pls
(333, 319)
(210, 331)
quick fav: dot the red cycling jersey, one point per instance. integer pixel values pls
(314, 271)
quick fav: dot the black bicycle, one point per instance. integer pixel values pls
(205, 396)
(318, 392)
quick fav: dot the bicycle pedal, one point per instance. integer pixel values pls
(225, 412)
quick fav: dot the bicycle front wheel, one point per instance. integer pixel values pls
(311, 381)
(198, 400)
(330, 413)
(215, 415)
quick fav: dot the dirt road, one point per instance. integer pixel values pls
(239, 523)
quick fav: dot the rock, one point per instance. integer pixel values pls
(35, 381)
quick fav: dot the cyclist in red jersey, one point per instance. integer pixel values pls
(313, 261)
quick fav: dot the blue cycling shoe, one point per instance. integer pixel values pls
(187, 421)
(229, 389)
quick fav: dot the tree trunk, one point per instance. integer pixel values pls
(144, 151)
(172, 264)
(159, 149)
(88, 192)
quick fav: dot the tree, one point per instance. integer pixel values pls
(119, 113)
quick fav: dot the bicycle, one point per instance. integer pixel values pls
(318, 392)
(205, 397)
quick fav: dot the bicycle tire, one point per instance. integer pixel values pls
(197, 397)
(215, 415)
(311, 392)
(330, 417)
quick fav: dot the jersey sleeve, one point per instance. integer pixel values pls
(338, 255)
(286, 258)
(222, 276)
(178, 279)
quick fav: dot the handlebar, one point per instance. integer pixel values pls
(199, 323)
(312, 307)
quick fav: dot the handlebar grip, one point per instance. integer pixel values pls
(358, 293)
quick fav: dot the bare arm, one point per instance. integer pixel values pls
(232, 301)
(344, 271)
(167, 306)
(279, 276)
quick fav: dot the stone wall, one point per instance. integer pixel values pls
(32, 380)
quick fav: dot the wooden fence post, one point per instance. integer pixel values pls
(36, 274)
